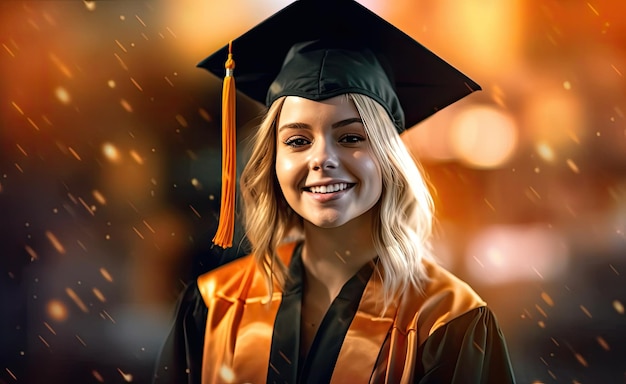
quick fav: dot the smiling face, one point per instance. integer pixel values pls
(324, 164)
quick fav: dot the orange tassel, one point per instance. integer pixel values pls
(226, 226)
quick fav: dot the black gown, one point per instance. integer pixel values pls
(468, 349)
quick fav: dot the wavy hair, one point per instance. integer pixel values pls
(403, 225)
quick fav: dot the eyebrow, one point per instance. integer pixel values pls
(338, 124)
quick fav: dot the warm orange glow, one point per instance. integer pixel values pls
(505, 254)
(555, 118)
(62, 95)
(111, 152)
(227, 374)
(483, 137)
(486, 39)
(57, 310)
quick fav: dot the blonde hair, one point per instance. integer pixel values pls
(401, 232)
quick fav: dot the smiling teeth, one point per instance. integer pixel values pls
(329, 188)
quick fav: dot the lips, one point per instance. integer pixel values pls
(329, 188)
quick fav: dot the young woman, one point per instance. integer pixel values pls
(341, 285)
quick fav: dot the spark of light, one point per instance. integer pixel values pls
(182, 121)
(49, 328)
(31, 252)
(11, 373)
(195, 211)
(126, 105)
(97, 376)
(61, 66)
(138, 233)
(55, 242)
(99, 295)
(108, 316)
(57, 310)
(90, 5)
(205, 114)
(44, 341)
(136, 157)
(87, 207)
(593, 9)
(541, 311)
(8, 50)
(32, 123)
(196, 183)
(106, 275)
(618, 306)
(603, 343)
(17, 107)
(227, 374)
(122, 63)
(148, 226)
(120, 45)
(572, 166)
(585, 311)
(111, 152)
(70, 292)
(139, 19)
(80, 340)
(63, 96)
(99, 197)
(136, 84)
(581, 360)
(74, 153)
(127, 376)
(547, 299)
(111, 83)
(545, 151)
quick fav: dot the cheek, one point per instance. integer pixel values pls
(368, 164)
(285, 169)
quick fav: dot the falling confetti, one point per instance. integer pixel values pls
(106, 275)
(97, 376)
(618, 306)
(126, 376)
(99, 295)
(55, 242)
(572, 166)
(585, 311)
(547, 299)
(603, 343)
(70, 292)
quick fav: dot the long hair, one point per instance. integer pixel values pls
(403, 218)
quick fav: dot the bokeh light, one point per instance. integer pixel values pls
(483, 137)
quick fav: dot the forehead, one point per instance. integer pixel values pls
(297, 109)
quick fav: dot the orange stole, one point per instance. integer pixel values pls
(378, 348)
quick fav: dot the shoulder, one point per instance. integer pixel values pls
(443, 298)
(230, 280)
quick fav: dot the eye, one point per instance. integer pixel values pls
(351, 139)
(296, 141)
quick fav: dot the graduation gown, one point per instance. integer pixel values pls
(227, 330)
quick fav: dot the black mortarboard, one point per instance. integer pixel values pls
(319, 49)
(423, 82)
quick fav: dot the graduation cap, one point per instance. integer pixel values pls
(319, 49)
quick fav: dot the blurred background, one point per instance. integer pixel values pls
(110, 158)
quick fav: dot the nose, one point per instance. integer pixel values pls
(323, 155)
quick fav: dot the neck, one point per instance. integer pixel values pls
(331, 256)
